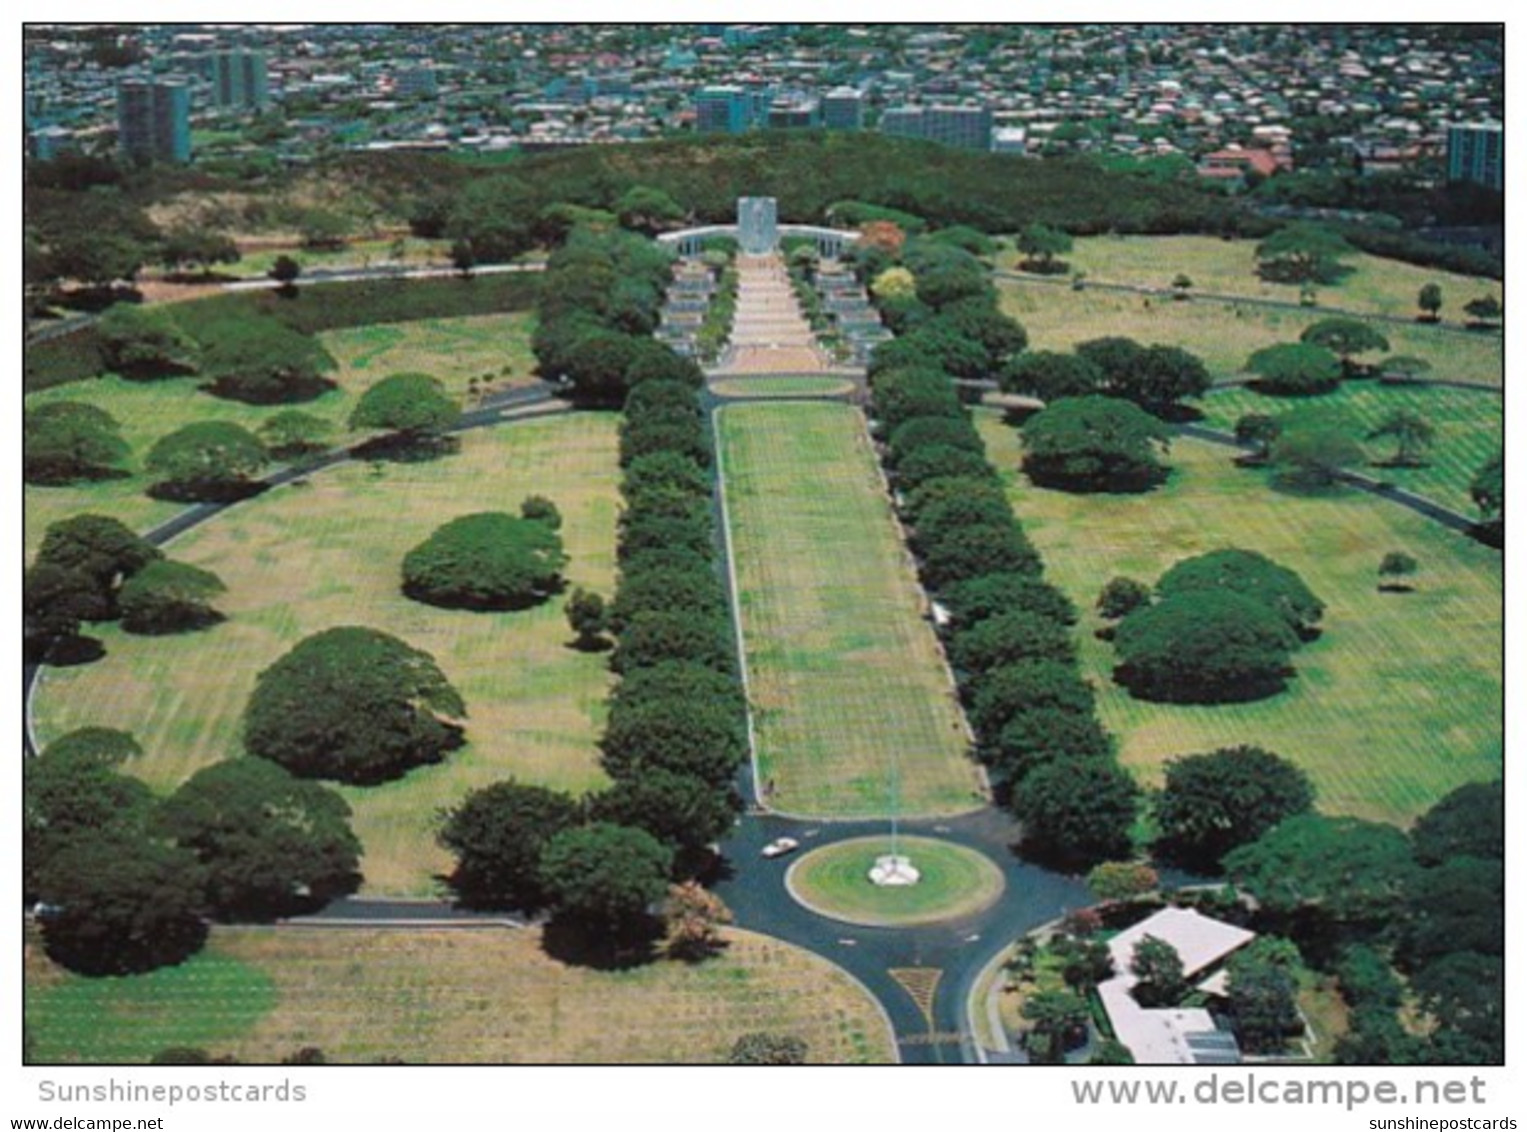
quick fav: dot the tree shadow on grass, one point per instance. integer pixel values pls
(585, 943)
(180, 621)
(67, 652)
(400, 448)
(174, 492)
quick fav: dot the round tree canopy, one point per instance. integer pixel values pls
(354, 704)
(489, 560)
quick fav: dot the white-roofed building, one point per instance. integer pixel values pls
(1173, 1036)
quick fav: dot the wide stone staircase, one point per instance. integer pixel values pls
(769, 333)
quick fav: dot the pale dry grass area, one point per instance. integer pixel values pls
(486, 996)
(1057, 318)
(307, 558)
(1374, 286)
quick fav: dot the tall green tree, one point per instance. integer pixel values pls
(1295, 369)
(1080, 813)
(1214, 802)
(354, 704)
(123, 903)
(1058, 1023)
(169, 597)
(1346, 338)
(1204, 647)
(1412, 434)
(1303, 253)
(1095, 444)
(605, 875)
(1252, 575)
(207, 460)
(70, 441)
(1041, 246)
(1158, 967)
(1347, 873)
(489, 560)
(412, 406)
(1429, 300)
(496, 834)
(270, 844)
(146, 342)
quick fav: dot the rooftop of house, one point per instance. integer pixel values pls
(1172, 1036)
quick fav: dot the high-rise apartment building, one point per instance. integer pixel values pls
(1477, 153)
(969, 127)
(843, 109)
(902, 122)
(239, 80)
(723, 110)
(154, 120)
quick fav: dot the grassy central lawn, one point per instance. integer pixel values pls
(451, 349)
(1470, 429)
(439, 996)
(1057, 318)
(954, 882)
(1228, 267)
(1397, 702)
(303, 559)
(846, 678)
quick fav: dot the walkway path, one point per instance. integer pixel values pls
(769, 333)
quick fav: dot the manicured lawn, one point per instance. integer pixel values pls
(302, 559)
(1376, 285)
(847, 681)
(452, 349)
(1398, 701)
(441, 996)
(954, 882)
(493, 347)
(207, 1002)
(1057, 318)
(1470, 429)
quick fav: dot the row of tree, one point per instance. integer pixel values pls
(676, 730)
(598, 303)
(409, 415)
(1008, 633)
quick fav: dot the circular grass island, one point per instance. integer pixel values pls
(834, 881)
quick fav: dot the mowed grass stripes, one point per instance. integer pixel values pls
(1398, 701)
(1470, 428)
(846, 678)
